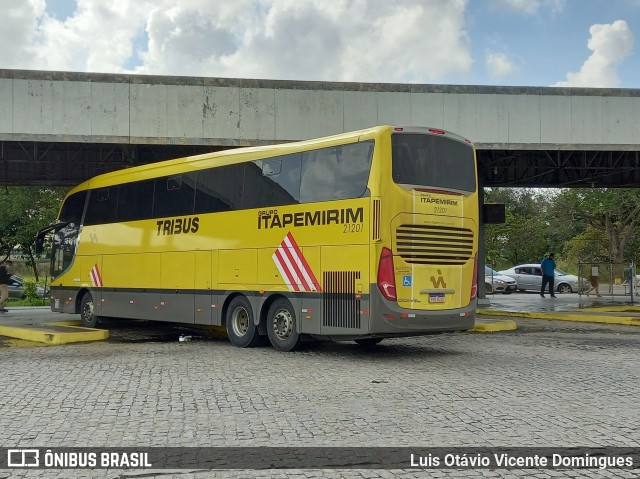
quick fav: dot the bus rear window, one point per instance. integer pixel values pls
(433, 161)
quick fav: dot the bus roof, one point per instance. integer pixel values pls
(239, 155)
(220, 158)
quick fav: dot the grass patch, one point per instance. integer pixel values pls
(27, 302)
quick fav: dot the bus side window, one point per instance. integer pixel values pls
(336, 173)
(270, 167)
(219, 189)
(103, 204)
(135, 201)
(174, 195)
(272, 182)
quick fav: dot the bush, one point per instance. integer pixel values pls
(31, 291)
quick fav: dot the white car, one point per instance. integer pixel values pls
(529, 278)
(495, 282)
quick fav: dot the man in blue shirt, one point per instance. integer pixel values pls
(548, 267)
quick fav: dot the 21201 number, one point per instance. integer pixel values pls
(352, 228)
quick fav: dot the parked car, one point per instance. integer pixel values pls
(16, 289)
(495, 282)
(529, 278)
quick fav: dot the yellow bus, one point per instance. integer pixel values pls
(359, 236)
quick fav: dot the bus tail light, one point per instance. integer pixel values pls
(386, 276)
(435, 131)
(474, 282)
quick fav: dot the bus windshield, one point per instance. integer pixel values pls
(433, 161)
(66, 234)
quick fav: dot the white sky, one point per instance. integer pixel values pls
(490, 42)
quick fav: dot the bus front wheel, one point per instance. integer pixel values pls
(241, 329)
(281, 326)
(88, 312)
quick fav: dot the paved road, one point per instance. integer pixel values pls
(549, 384)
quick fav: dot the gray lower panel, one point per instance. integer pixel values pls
(205, 310)
(388, 318)
(154, 306)
(63, 301)
(177, 308)
(132, 305)
(335, 318)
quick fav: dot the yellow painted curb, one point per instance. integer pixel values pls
(495, 326)
(72, 334)
(21, 343)
(614, 309)
(565, 317)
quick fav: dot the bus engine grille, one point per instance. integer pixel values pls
(340, 307)
(425, 244)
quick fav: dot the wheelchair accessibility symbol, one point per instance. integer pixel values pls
(406, 280)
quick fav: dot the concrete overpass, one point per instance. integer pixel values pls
(59, 128)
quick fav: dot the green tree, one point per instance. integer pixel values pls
(25, 211)
(525, 236)
(614, 212)
(590, 245)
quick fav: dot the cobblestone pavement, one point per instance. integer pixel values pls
(549, 384)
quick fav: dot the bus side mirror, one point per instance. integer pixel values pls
(494, 213)
(43, 232)
(40, 244)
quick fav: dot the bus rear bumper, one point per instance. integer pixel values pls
(389, 318)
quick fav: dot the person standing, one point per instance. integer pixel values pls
(4, 283)
(548, 267)
(594, 280)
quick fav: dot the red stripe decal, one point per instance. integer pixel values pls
(285, 269)
(305, 265)
(294, 267)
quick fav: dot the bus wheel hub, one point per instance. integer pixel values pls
(240, 322)
(283, 324)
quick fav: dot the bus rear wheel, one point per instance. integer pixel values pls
(88, 312)
(241, 329)
(281, 326)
